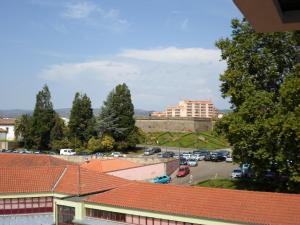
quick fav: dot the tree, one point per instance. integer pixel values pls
(58, 134)
(23, 130)
(258, 81)
(81, 124)
(116, 116)
(43, 119)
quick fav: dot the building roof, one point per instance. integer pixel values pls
(271, 15)
(29, 180)
(79, 181)
(65, 179)
(30, 160)
(109, 165)
(7, 121)
(206, 203)
(3, 130)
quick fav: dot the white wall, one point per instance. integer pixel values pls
(11, 131)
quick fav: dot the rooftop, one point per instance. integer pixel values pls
(7, 121)
(67, 179)
(108, 165)
(30, 160)
(210, 203)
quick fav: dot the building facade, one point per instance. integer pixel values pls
(189, 108)
(8, 125)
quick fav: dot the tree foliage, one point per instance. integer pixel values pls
(262, 84)
(116, 116)
(81, 124)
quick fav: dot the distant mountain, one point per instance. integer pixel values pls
(64, 112)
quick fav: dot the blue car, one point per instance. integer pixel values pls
(161, 180)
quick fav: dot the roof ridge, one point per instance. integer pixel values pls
(59, 178)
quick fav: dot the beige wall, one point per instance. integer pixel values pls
(174, 124)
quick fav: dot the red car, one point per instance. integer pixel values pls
(183, 171)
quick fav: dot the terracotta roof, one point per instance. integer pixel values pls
(80, 181)
(3, 130)
(30, 160)
(210, 203)
(67, 179)
(108, 165)
(8, 121)
(28, 180)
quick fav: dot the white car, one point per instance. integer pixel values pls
(198, 157)
(229, 159)
(236, 173)
(67, 151)
(117, 154)
(192, 162)
(186, 155)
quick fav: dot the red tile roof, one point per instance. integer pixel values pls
(30, 160)
(80, 181)
(211, 203)
(108, 165)
(8, 121)
(67, 179)
(29, 180)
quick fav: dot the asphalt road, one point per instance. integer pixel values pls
(204, 171)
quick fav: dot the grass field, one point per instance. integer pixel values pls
(199, 140)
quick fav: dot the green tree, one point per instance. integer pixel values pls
(94, 144)
(43, 119)
(259, 80)
(23, 130)
(81, 124)
(58, 133)
(116, 116)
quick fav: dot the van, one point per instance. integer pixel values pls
(67, 151)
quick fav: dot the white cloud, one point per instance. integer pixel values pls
(79, 10)
(95, 16)
(104, 70)
(156, 78)
(184, 24)
(174, 55)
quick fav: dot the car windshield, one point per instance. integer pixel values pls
(237, 171)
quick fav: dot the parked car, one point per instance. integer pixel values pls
(99, 154)
(117, 154)
(182, 161)
(52, 153)
(192, 162)
(217, 157)
(183, 171)
(207, 157)
(161, 180)
(67, 151)
(84, 153)
(156, 149)
(186, 155)
(229, 159)
(168, 154)
(149, 151)
(197, 156)
(236, 173)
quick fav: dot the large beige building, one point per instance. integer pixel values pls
(189, 108)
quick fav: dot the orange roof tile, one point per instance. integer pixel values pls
(108, 165)
(29, 180)
(210, 203)
(80, 181)
(8, 121)
(30, 160)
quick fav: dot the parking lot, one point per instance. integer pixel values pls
(204, 171)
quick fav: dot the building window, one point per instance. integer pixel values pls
(120, 217)
(25, 205)
(65, 215)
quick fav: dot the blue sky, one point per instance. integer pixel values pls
(163, 49)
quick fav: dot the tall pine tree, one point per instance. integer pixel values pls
(43, 119)
(81, 124)
(116, 116)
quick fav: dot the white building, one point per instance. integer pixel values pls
(8, 125)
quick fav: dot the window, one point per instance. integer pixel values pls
(65, 215)
(107, 215)
(24, 205)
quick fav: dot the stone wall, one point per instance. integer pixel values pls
(156, 124)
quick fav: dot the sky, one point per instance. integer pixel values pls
(164, 50)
